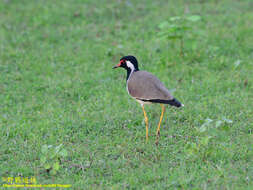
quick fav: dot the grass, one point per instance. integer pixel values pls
(57, 89)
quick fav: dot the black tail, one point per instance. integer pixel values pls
(173, 102)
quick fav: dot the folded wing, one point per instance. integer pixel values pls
(145, 86)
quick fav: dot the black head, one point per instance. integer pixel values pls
(128, 62)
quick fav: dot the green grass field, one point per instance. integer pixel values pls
(66, 117)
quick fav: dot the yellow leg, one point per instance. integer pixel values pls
(146, 121)
(158, 128)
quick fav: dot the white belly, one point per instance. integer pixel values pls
(142, 102)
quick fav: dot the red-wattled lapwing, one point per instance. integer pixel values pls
(146, 88)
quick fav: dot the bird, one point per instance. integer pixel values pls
(146, 88)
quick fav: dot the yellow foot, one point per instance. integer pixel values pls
(159, 125)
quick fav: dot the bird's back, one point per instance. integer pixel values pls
(144, 85)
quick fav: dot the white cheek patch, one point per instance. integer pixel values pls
(130, 65)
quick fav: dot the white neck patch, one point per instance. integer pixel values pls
(130, 65)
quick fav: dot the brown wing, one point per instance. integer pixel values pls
(144, 85)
